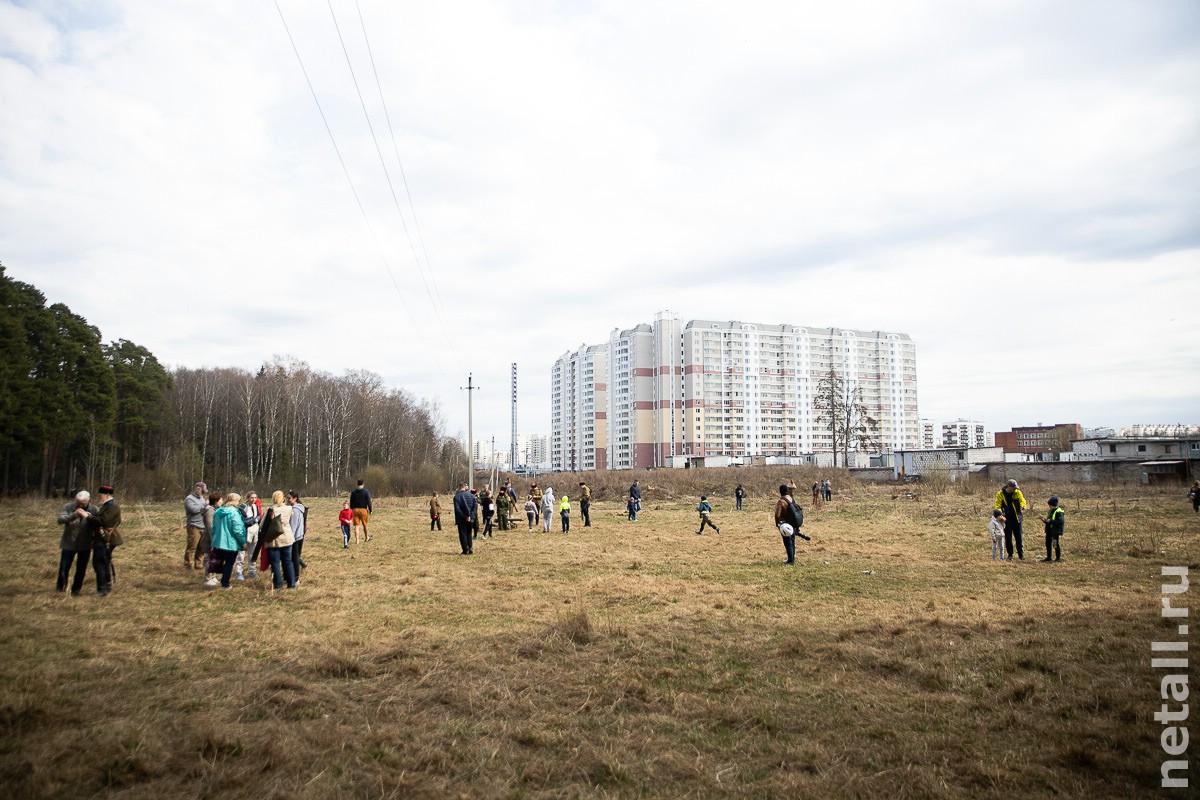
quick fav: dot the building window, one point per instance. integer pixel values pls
(1141, 448)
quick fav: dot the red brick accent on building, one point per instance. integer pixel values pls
(643, 456)
(601, 387)
(666, 370)
(601, 415)
(643, 372)
(643, 405)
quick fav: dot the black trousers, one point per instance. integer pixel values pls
(64, 569)
(789, 544)
(1052, 541)
(435, 521)
(1012, 533)
(465, 531)
(101, 566)
(585, 510)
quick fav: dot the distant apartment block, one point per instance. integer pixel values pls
(680, 393)
(578, 412)
(966, 433)
(533, 452)
(1039, 438)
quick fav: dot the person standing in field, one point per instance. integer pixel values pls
(564, 511)
(738, 494)
(210, 565)
(360, 504)
(276, 537)
(435, 512)
(107, 520)
(826, 491)
(229, 535)
(1194, 496)
(585, 504)
(193, 509)
(503, 509)
(299, 523)
(1011, 503)
(487, 509)
(996, 530)
(251, 512)
(76, 541)
(465, 512)
(1055, 521)
(548, 506)
(816, 490)
(530, 512)
(705, 511)
(345, 518)
(635, 492)
(631, 508)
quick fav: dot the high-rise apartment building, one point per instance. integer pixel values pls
(578, 413)
(678, 392)
(966, 433)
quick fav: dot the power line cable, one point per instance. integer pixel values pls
(387, 175)
(349, 180)
(403, 177)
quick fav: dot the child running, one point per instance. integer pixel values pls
(705, 516)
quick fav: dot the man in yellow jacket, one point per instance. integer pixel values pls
(1011, 503)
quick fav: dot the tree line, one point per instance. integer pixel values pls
(75, 411)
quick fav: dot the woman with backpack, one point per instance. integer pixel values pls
(275, 537)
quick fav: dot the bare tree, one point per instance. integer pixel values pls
(840, 406)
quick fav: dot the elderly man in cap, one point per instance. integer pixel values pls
(76, 542)
(105, 537)
(193, 506)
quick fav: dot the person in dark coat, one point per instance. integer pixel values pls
(466, 512)
(105, 538)
(76, 541)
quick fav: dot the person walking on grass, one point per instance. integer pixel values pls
(531, 512)
(76, 541)
(193, 509)
(465, 511)
(631, 508)
(360, 504)
(1194, 496)
(789, 518)
(346, 519)
(635, 492)
(435, 512)
(705, 511)
(996, 530)
(1055, 521)
(1011, 503)
(106, 537)
(548, 507)
(738, 494)
(564, 511)
(228, 537)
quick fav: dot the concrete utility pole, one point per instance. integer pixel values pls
(470, 434)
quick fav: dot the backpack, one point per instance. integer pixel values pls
(795, 515)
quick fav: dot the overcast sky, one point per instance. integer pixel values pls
(1015, 185)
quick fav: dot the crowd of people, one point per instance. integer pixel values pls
(230, 538)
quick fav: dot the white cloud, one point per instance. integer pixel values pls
(1012, 184)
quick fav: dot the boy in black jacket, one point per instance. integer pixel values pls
(1055, 521)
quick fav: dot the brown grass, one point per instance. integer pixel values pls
(623, 660)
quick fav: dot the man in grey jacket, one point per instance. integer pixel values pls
(76, 542)
(193, 507)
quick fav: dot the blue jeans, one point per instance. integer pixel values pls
(789, 544)
(281, 557)
(346, 535)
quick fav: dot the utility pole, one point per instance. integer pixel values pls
(470, 433)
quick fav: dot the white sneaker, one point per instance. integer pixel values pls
(212, 583)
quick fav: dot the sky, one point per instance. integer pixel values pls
(1013, 184)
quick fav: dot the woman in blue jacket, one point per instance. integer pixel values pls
(228, 535)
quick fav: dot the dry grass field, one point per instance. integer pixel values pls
(623, 660)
